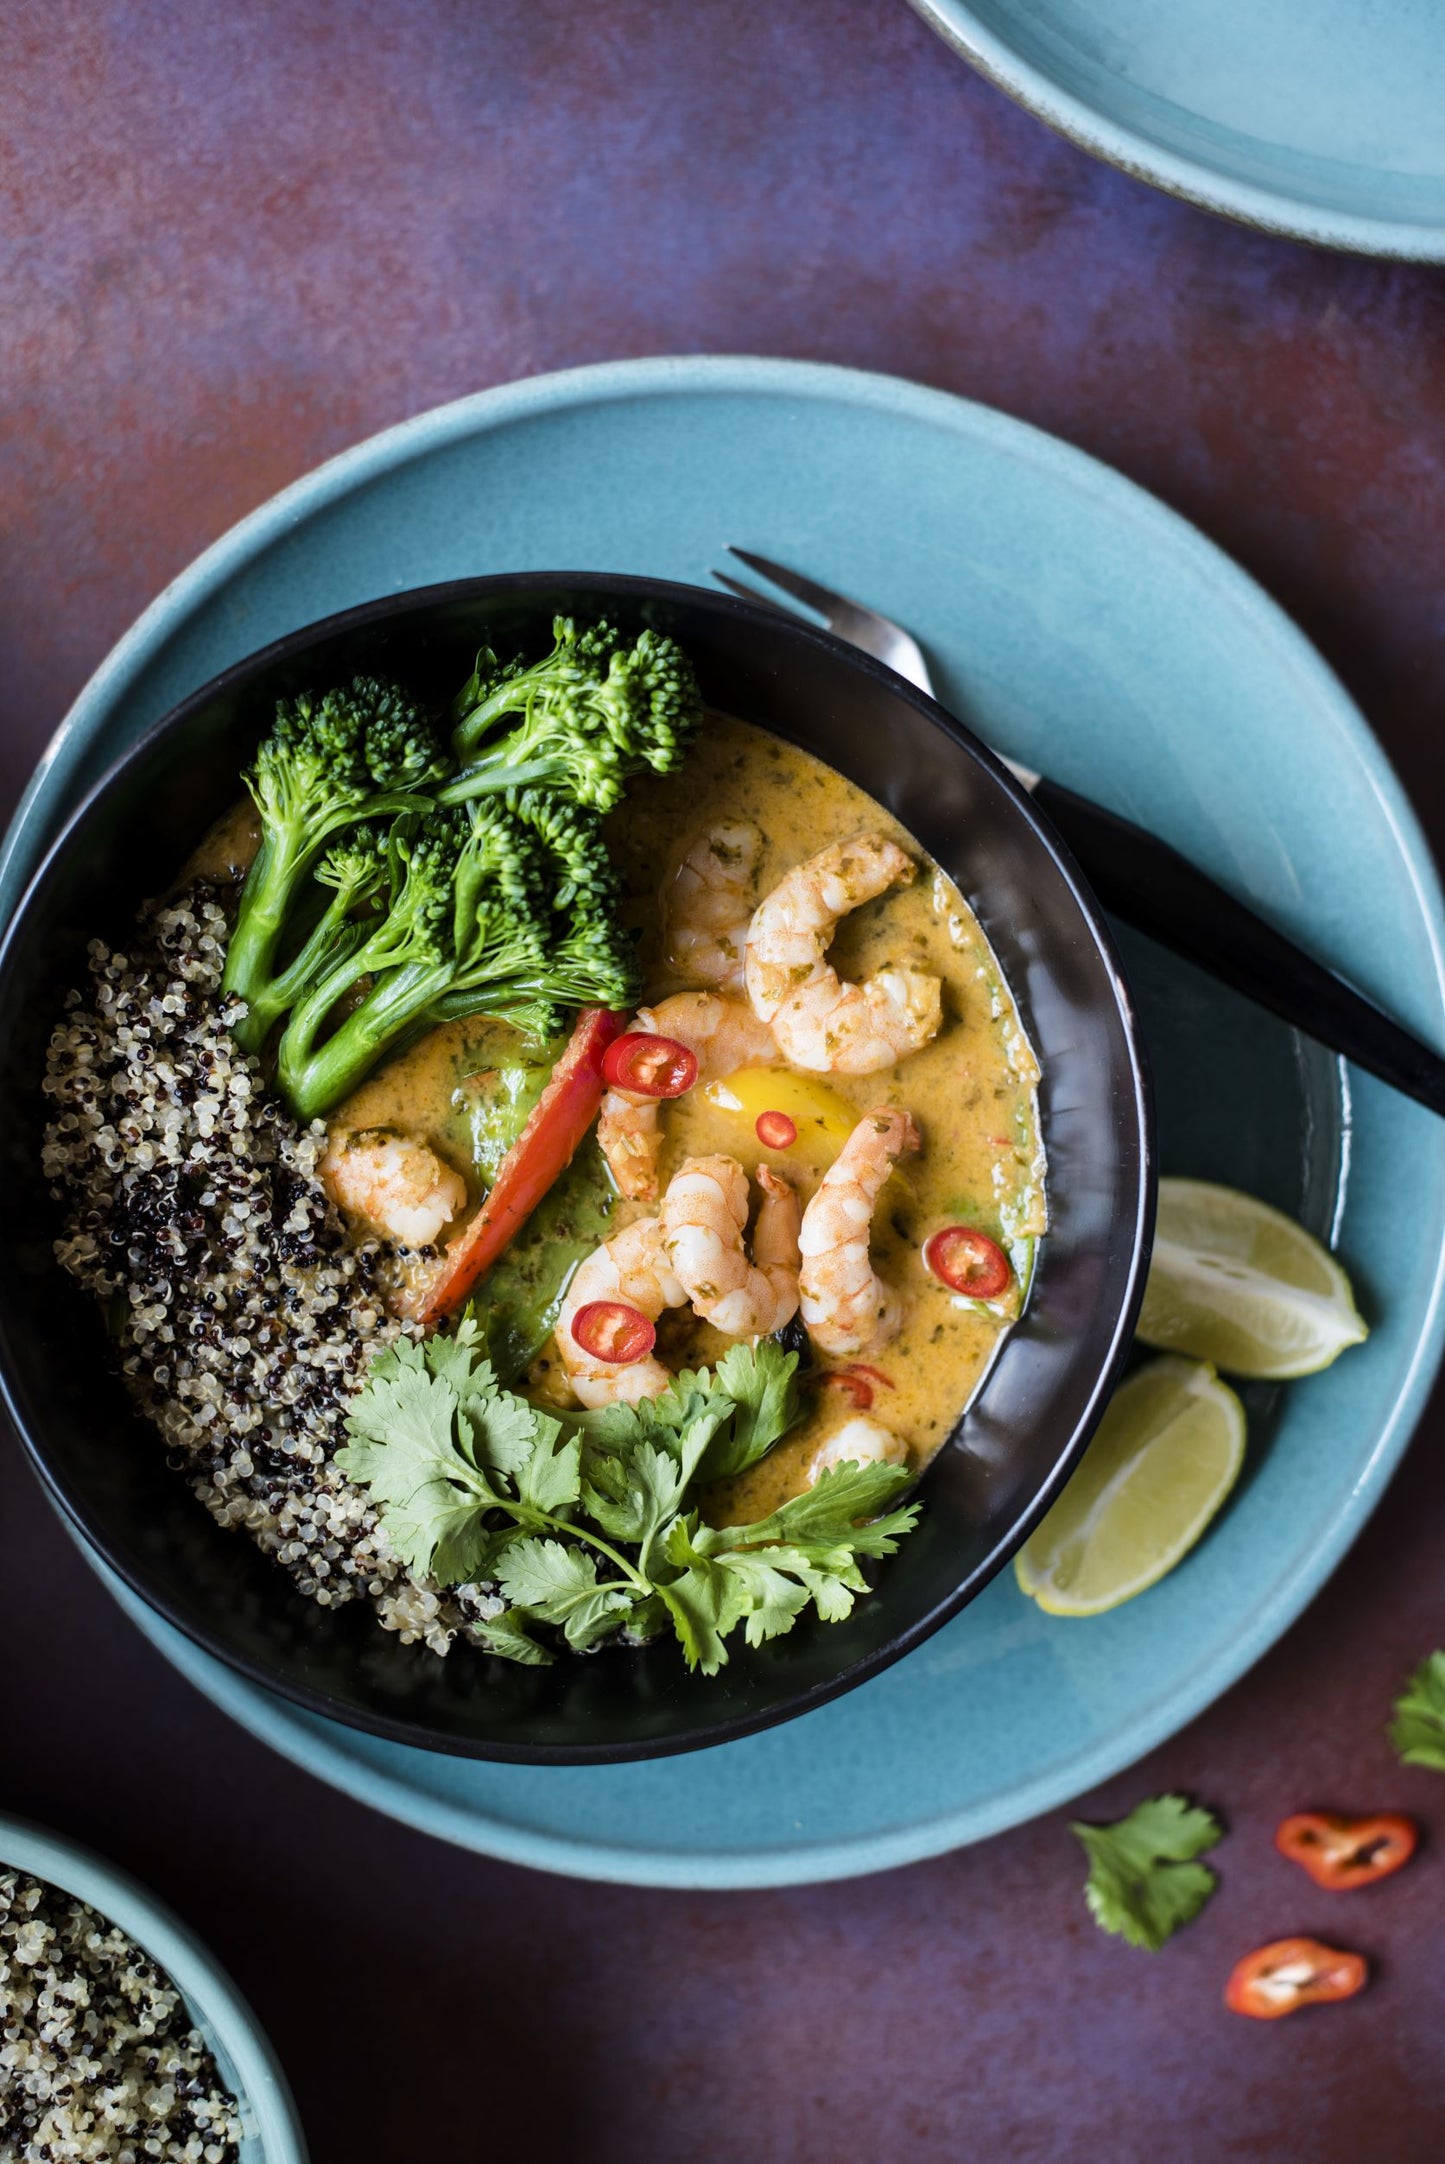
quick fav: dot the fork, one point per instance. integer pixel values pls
(1144, 881)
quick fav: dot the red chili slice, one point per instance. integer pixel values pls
(967, 1261)
(860, 1392)
(1290, 1973)
(1341, 1853)
(649, 1066)
(775, 1130)
(875, 1375)
(611, 1330)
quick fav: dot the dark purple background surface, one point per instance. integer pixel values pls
(237, 236)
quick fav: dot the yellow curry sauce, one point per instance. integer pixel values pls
(972, 1090)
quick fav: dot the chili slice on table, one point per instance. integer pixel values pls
(1341, 1853)
(775, 1130)
(649, 1066)
(560, 1119)
(1290, 1973)
(967, 1261)
(611, 1330)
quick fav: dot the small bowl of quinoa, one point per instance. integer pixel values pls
(121, 2040)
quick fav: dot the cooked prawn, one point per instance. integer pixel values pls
(722, 1034)
(860, 1441)
(400, 1187)
(631, 1267)
(822, 1023)
(704, 1214)
(846, 1306)
(709, 903)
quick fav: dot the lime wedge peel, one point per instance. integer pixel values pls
(1240, 1285)
(1166, 1454)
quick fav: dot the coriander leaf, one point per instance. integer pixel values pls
(773, 1601)
(506, 1636)
(703, 1607)
(1143, 1880)
(429, 1493)
(631, 1498)
(761, 1381)
(551, 1478)
(558, 1584)
(1418, 1729)
(546, 1576)
(827, 1515)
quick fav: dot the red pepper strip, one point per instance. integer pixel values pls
(560, 1119)
(1289, 1973)
(967, 1261)
(611, 1330)
(1340, 1853)
(650, 1066)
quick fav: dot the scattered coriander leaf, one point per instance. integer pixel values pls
(506, 1636)
(841, 1510)
(551, 1478)
(1143, 1879)
(1418, 1729)
(761, 1380)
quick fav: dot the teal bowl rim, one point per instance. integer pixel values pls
(745, 375)
(1291, 217)
(203, 1984)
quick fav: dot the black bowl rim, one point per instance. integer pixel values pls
(636, 589)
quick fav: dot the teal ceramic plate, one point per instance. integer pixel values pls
(1084, 629)
(1324, 122)
(271, 2131)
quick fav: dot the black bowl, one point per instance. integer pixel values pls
(1009, 1454)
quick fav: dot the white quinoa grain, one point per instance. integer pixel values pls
(244, 1320)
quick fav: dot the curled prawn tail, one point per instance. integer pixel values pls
(630, 1136)
(704, 1214)
(846, 1307)
(775, 1235)
(822, 1023)
(632, 1268)
(709, 904)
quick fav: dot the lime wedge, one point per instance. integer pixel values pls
(1167, 1453)
(1239, 1284)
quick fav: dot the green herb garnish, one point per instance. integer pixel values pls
(592, 1527)
(1418, 1729)
(1143, 1880)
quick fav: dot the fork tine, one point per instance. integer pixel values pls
(812, 596)
(750, 593)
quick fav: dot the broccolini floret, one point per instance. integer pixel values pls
(597, 710)
(329, 763)
(492, 909)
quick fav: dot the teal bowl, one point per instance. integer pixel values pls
(271, 2131)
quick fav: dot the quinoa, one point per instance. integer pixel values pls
(243, 1317)
(99, 2062)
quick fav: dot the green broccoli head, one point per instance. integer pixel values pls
(595, 711)
(330, 762)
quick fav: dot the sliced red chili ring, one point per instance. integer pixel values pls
(1290, 1973)
(967, 1261)
(611, 1330)
(775, 1130)
(1341, 1853)
(649, 1066)
(859, 1391)
(875, 1375)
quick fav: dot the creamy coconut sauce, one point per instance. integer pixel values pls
(972, 1090)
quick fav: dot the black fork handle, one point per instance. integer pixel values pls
(1154, 888)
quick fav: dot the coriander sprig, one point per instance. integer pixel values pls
(474, 1484)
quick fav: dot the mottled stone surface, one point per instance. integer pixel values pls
(236, 236)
